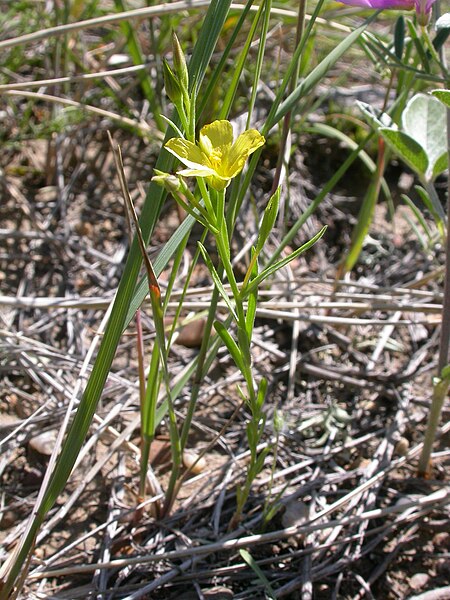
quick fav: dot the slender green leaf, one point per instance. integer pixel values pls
(419, 216)
(317, 74)
(231, 345)
(252, 300)
(161, 261)
(436, 211)
(362, 226)
(262, 391)
(268, 220)
(218, 70)
(332, 132)
(238, 67)
(399, 37)
(174, 126)
(282, 263)
(217, 281)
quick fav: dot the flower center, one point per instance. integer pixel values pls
(215, 158)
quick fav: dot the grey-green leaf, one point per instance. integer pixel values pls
(424, 119)
(376, 118)
(443, 22)
(408, 149)
(443, 96)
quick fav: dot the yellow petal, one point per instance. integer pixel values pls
(215, 135)
(187, 153)
(200, 172)
(246, 144)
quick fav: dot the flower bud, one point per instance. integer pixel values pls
(423, 11)
(179, 63)
(172, 85)
(166, 180)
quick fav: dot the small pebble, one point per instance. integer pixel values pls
(218, 593)
(402, 447)
(296, 514)
(442, 540)
(418, 581)
(192, 461)
(8, 519)
(44, 442)
(191, 335)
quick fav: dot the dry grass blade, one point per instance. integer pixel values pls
(142, 127)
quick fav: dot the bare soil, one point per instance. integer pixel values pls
(349, 377)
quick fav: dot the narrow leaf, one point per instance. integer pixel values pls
(419, 216)
(282, 263)
(255, 568)
(436, 211)
(317, 74)
(217, 281)
(399, 37)
(268, 220)
(252, 298)
(231, 345)
(262, 391)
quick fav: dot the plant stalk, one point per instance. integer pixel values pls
(441, 386)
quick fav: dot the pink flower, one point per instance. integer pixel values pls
(423, 7)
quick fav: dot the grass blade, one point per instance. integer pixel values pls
(212, 25)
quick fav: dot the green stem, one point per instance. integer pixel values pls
(439, 396)
(441, 387)
(142, 395)
(200, 370)
(445, 331)
(207, 200)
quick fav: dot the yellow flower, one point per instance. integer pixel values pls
(216, 157)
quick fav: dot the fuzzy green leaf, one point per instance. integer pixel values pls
(443, 96)
(410, 151)
(443, 22)
(425, 120)
(422, 143)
